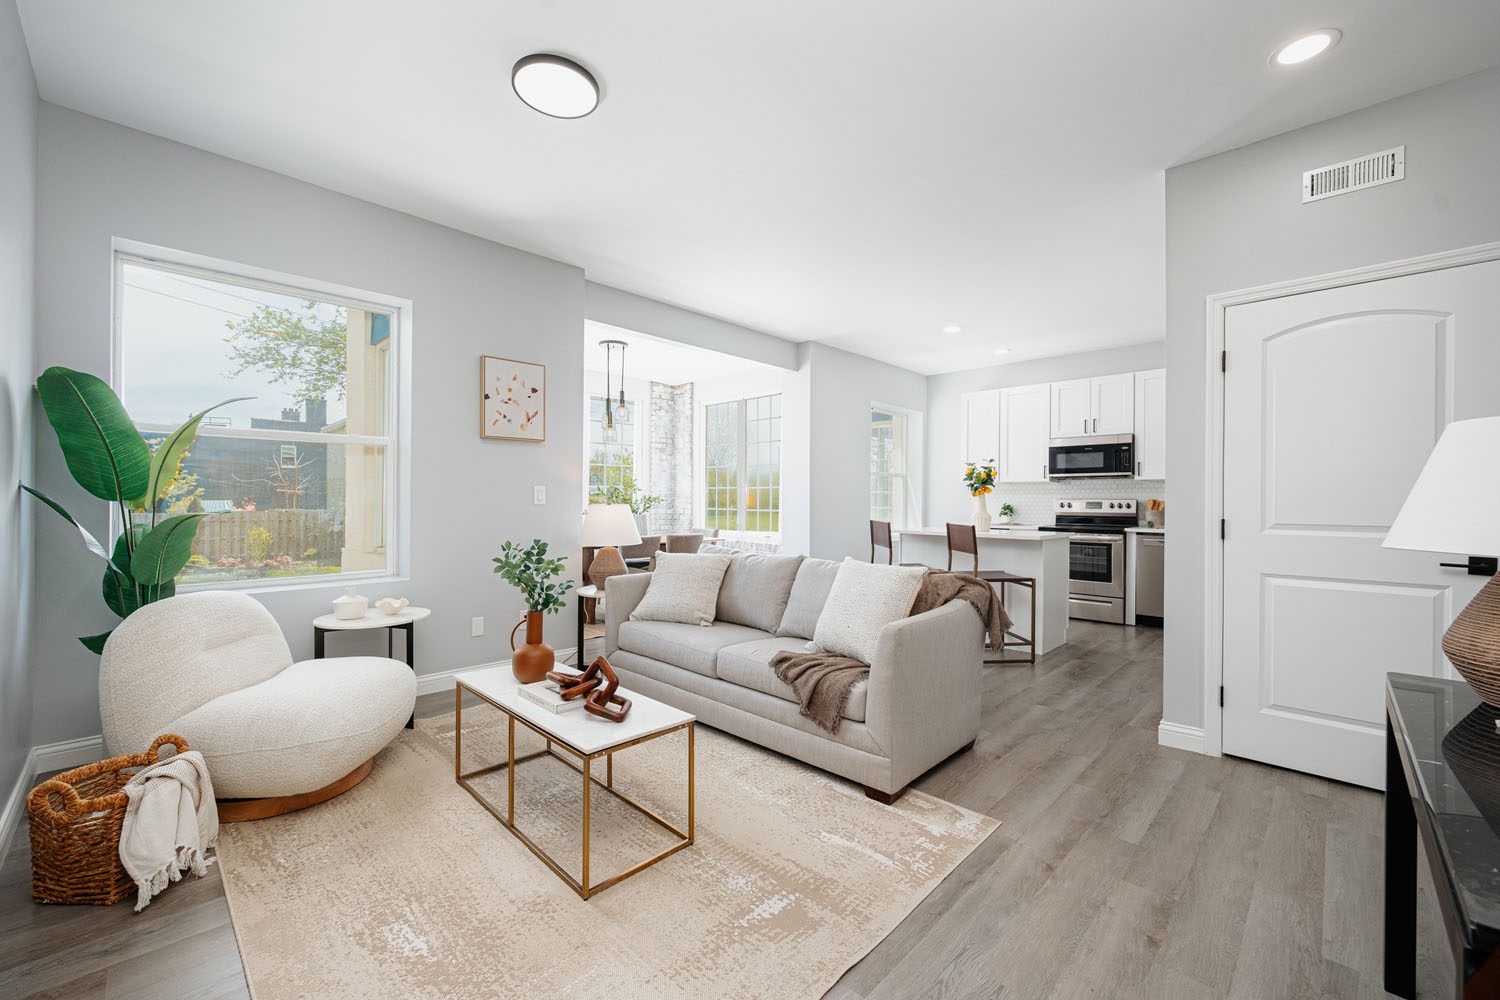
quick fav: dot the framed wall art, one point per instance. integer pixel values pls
(512, 400)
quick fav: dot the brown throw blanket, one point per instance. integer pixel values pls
(824, 681)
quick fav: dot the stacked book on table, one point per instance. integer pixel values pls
(546, 695)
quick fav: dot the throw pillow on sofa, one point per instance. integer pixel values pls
(809, 593)
(684, 588)
(866, 597)
(756, 588)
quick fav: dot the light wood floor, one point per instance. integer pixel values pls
(1121, 869)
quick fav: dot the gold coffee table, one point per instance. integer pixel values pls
(577, 739)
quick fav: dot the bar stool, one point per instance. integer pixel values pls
(962, 538)
(880, 537)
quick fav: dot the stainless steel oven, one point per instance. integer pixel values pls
(1096, 555)
(1103, 456)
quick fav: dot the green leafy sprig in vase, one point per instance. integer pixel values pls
(529, 570)
(980, 477)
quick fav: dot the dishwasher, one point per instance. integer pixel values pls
(1151, 554)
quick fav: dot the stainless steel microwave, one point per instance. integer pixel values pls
(1102, 456)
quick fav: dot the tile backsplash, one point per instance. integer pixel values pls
(1034, 502)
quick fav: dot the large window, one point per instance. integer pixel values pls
(299, 478)
(611, 451)
(742, 464)
(890, 484)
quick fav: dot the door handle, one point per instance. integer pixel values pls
(1477, 565)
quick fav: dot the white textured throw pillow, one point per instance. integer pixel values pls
(866, 597)
(684, 588)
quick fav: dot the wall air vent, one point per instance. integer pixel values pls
(1354, 175)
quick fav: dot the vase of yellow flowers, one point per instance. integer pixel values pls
(979, 477)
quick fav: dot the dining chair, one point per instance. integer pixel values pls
(685, 542)
(880, 537)
(963, 539)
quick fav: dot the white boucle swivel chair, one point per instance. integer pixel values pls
(214, 668)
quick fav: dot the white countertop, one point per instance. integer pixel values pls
(1006, 533)
(1143, 530)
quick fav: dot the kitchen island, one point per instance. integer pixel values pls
(1019, 550)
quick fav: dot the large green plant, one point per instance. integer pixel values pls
(530, 571)
(109, 459)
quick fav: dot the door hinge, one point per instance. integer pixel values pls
(1221, 696)
(1223, 528)
(1223, 361)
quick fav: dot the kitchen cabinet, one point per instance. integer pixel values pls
(1071, 406)
(1151, 424)
(1086, 406)
(981, 416)
(1024, 433)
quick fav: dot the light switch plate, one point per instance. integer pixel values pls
(476, 627)
(539, 494)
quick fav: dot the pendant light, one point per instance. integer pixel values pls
(614, 412)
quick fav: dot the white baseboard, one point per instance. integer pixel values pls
(68, 753)
(15, 803)
(1173, 734)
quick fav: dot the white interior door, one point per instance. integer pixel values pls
(1332, 402)
(1113, 404)
(1071, 408)
(1023, 433)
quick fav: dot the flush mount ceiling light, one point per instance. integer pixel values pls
(554, 85)
(1300, 50)
(953, 328)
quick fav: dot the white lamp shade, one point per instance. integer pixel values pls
(1451, 508)
(608, 524)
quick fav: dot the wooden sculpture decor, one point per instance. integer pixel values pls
(598, 686)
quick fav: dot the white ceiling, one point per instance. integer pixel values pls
(659, 360)
(861, 172)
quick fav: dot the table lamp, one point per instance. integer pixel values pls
(1451, 508)
(606, 526)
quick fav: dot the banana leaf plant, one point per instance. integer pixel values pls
(110, 459)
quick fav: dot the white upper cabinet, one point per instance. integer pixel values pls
(1151, 424)
(981, 426)
(1112, 404)
(1024, 433)
(1086, 406)
(1072, 407)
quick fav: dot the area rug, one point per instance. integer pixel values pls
(405, 886)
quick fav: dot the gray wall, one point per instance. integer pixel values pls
(658, 319)
(1236, 220)
(841, 388)
(947, 499)
(470, 296)
(18, 111)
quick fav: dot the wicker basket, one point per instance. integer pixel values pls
(75, 830)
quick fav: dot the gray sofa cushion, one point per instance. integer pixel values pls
(809, 593)
(692, 647)
(748, 664)
(755, 589)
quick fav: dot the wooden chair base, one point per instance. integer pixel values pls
(244, 810)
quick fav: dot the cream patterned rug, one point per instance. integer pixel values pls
(406, 887)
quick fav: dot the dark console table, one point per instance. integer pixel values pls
(1442, 777)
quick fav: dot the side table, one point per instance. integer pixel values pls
(585, 594)
(408, 617)
(1442, 758)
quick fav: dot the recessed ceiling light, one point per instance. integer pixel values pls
(555, 86)
(1002, 350)
(1300, 50)
(953, 328)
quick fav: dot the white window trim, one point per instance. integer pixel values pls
(397, 441)
(914, 458)
(700, 465)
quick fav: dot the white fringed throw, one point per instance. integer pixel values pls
(171, 823)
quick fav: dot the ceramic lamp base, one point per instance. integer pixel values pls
(1472, 642)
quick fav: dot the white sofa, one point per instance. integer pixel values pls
(919, 706)
(214, 668)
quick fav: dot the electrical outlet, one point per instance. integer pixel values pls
(476, 627)
(539, 494)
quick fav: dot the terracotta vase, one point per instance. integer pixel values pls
(531, 662)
